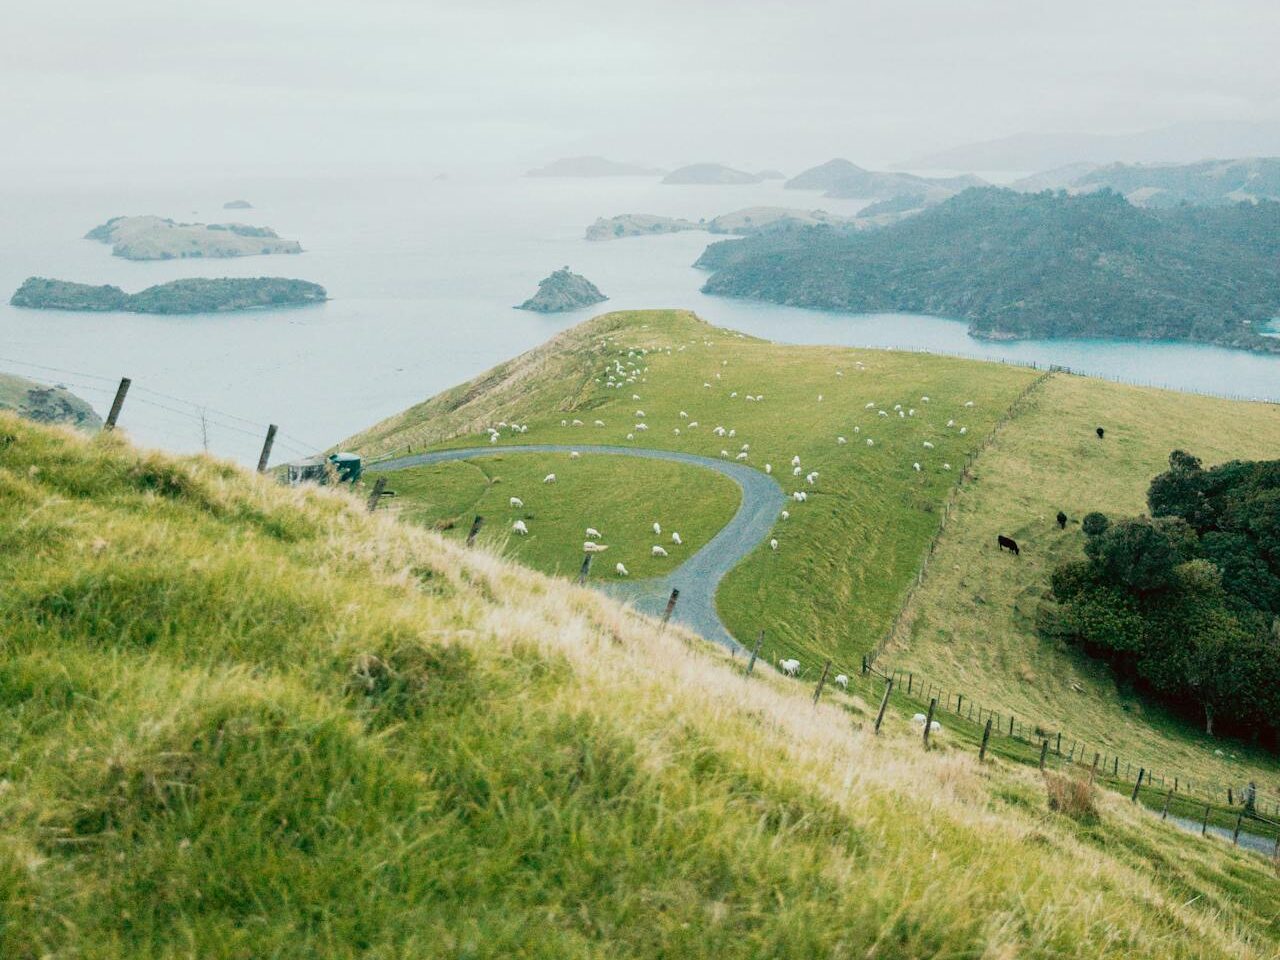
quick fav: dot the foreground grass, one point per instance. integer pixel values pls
(243, 721)
(845, 557)
(620, 496)
(971, 627)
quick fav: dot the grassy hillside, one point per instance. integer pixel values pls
(847, 555)
(971, 625)
(619, 496)
(245, 721)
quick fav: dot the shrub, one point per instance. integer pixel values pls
(1071, 796)
(1094, 524)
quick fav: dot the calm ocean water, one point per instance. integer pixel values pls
(423, 274)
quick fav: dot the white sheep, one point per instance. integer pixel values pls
(795, 461)
(692, 424)
(869, 405)
(773, 544)
(516, 502)
(928, 445)
(733, 433)
(883, 413)
(631, 436)
(968, 403)
(520, 528)
(811, 478)
(796, 471)
(676, 431)
(593, 533)
(741, 456)
(657, 551)
(733, 395)
(724, 454)
(924, 399)
(675, 538)
(946, 466)
(574, 454)
(897, 406)
(641, 426)
(598, 423)
(963, 431)
(919, 718)
(841, 441)
(786, 514)
(590, 546)
(640, 414)
(577, 423)
(719, 431)
(620, 570)
(870, 442)
(842, 681)
(951, 423)
(768, 468)
(916, 467)
(657, 528)
(799, 496)
(789, 667)
(683, 415)
(745, 446)
(549, 478)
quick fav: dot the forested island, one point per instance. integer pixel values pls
(157, 238)
(563, 290)
(1032, 266)
(193, 295)
(743, 223)
(1208, 182)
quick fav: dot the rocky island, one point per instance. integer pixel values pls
(710, 173)
(563, 290)
(639, 225)
(237, 205)
(46, 404)
(193, 295)
(156, 238)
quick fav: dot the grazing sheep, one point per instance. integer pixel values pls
(963, 431)
(951, 423)
(631, 436)
(516, 502)
(745, 446)
(869, 405)
(657, 551)
(641, 426)
(919, 718)
(799, 496)
(786, 514)
(733, 433)
(718, 431)
(549, 478)
(657, 528)
(692, 424)
(635, 396)
(946, 466)
(928, 445)
(819, 398)
(924, 399)
(593, 533)
(724, 454)
(768, 468)
(901, 414)
(915, 467)
(773, 544)
(842, 681)
(812, 478)
(897, 406)
(883, 413)
(870, 442)
(796, 471)
(640, 414)
(520, 528)
(733, 395)
(675, 538)
(598, 423)
(574, 454)
(968, 403)
(857, 429)
(589, 546)
(676, 431)
(683, 415)
(789, 667)
(741, 456)
(620, 570)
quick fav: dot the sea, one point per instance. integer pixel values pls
(423, 267)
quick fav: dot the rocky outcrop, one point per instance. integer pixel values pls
(563, 290)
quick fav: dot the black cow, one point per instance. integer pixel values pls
(1062, 520)
(1008, 543)
(1101, 433)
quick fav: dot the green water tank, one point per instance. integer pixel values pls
(348, 466)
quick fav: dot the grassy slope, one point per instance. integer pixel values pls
(619, 496)
(846, 556)
(971, 626)
(240, 720)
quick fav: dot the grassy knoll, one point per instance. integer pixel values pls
(619, 496)
(846, 556)
(239, 721)
(971, 626)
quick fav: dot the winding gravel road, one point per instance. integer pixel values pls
(697, 578)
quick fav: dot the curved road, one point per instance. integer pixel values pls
(698, 577)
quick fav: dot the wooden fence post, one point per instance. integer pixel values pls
(1204, 827)
(959, 703)
(117, 403)
(1115, 772)
(671, 605)
(1231, 802)
(584, 569)
(1164, 814)
(928, 722)
(884, 702)
(266, 448)
(379, 486)
(1044, 750)
(826, 667)
(1235, 837)
(864, 665)
(475, 528)
(1011, 725)
(986, 735)
(1137, 784)
(910, 677)
(1058, 749)
(751, 664)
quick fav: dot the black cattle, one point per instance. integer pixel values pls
(1008, 543)
(1101, 433)
(1062, 520)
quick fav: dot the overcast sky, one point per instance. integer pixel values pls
(751, 82)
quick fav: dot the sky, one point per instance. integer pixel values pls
(756, 83)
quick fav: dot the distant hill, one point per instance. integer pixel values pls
(192, 295)
(710, 173)
(157, 238)
(592, 167)
(237, 205)
(45, 404)
(1167, 185)
(561, 291)
(1179, 143)
(742, 223)
(1033, 265)
(840, 178)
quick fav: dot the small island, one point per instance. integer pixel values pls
(638, 225)
(193, 295)
(156, 238)
(715, 174)
(740, 223)
(237, 205)
(563, 290)
(46, 404)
